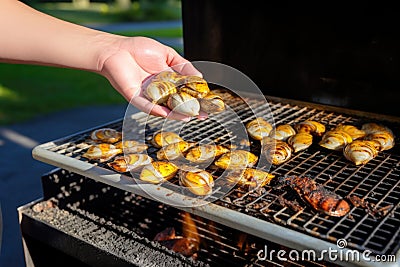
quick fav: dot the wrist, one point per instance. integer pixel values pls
(106, 45)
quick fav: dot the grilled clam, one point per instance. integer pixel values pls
(129, 162)
(300, 141)
(162, 138)
(102, 152)
(251, 178)
(312, 127)
(173, 151)
(106, 135)
(212, 103)
(184, 103)
(380, 134)
(276, 151)
(194, 86)
(282, 132)
(258, 128)
(199, 182)
(360, 151)
(131, 146)
(353, 131)
(158, 171)
(205, 153)
(372, 127)
(236, 159)
(384, 140)
(167, 76)
(159, 91)
(335, 140)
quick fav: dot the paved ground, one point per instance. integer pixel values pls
(20, 173)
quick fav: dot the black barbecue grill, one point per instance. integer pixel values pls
(120, 215)
(260, 213)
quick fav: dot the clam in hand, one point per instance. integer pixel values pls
(335, 140)
(167, 76)
(199, 182)
(162, 138)
(158, 171)
(194, 86)
(159, 91)
(129, 162)
(360, 151)
(106, 135)
(258, 128)
(212, 103)
(237, 159)
(184, 103)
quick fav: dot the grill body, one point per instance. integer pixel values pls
(260, 213)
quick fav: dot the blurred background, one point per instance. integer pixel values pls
(25, 90)
(40, 104)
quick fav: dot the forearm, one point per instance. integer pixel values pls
(29, 36)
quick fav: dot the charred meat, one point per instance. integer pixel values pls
(317, 196)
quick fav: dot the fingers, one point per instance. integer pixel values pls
(180, 64)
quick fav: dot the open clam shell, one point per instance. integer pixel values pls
(184, 103)
(158, 171)
(335, 140)
(360, 151)
(194, 86)
(106, 135)
(237, 159)
(258, 128)
(300, 141)
(212, 103)
(159, 91)
(129, 162)
(282, 132)
(164, 138)
(199, 182)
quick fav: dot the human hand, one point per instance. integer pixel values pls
(132, 60)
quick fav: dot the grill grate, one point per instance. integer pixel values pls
(376, 182)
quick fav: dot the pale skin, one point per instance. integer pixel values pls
(31, 37)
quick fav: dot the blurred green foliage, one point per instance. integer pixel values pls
(112, 11)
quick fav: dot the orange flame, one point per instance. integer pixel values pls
(189, 228)
(242, 244)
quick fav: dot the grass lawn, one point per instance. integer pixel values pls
(28, 91)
